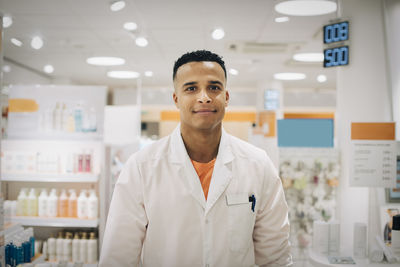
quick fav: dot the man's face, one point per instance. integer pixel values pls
(200, 94)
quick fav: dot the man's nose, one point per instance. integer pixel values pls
(203, 97)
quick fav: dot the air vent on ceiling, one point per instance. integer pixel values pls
(257, 48)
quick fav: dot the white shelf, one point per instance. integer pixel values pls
(45, 177)
(55, 222)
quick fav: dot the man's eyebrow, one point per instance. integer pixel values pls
(189, 83)
(216, 82)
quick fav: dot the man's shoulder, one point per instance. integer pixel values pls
(153, 151)
(245, 149)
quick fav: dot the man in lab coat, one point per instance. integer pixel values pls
(198, 197)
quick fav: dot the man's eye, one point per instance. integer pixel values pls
(214, 87)
(191, 88)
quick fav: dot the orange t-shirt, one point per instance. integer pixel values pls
(204, 171)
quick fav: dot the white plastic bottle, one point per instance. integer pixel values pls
(93, 204)
(57, 117)
(92, 249)
(76, 248)
(60, 247)
(52, 203)
(83, 248)
(22, 203)
(92, 119)
(32, 209)
(67, 247)
(82, 205)
(64, 117)
(63, 204)
(42, 203)
(72, 204)
(52, 248)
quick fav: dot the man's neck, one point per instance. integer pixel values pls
(201, 146)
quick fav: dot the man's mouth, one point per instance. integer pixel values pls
(204, 111)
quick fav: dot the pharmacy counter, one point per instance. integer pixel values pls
(318, 260)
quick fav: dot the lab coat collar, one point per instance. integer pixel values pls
(222, 173)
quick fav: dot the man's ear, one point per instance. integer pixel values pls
(226, 98)
(175, 97)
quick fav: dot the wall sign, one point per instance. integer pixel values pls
(336, 52)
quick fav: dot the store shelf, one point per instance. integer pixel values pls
(39, 177)
(55, 222)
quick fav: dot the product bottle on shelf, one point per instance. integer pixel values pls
(72, 204)
(57, 117)
(92, 249)
(82, 205)
(81, 162)
(88, 161)
(32, 203)
(22, 204)
(45, 251)
(83, 248)
(64, 118)
(63, 204)
(60, 247)
(71, 121)
(92, 119)
(76, 248)
(93, 204)
(32, 241)
(52, 204)
(78, 116)
(51, 242)
(42, 203)
(26, 247)
(67, 247)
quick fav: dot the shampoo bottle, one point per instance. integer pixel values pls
(83, 248)
(51, 242)
(63, 204)
(32, 203)
(60, 247)
(52, 204)
(92, 249)
(72, 204)
(22, 203)
(82, 205)
(42, 203)
(67, 247)
(76, 248)
(93, 204)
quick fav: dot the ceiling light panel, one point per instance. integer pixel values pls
(309, 57)
(141, 41)
(7, 21)
(105, 61)
(37, 42)
(289, 76)
(123, 74)
(16, 42)
(218, 34)
(306, 7)
(117, 5)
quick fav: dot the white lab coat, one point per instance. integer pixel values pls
(159, 214)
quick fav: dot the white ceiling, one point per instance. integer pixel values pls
(74, 30)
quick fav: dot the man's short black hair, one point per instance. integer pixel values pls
(198, 56)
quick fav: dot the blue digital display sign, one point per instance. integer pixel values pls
(337, 32)
(337, 56)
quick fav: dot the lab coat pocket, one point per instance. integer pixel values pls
(241, 222)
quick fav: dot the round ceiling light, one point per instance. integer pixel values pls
(218, 34)
(48, 69)
(306, 7)
(117, 5)
(281, 19)
(6, 68)
(105, 61)
(148, 73)
(16, 42)
(37, 42)
(130, 26)
(289, 76)
(7, 21)
(233, 71)
(322, 78)
(141, 41)
(309, 57)
(123, 74)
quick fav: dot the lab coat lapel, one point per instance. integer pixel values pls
(222, 173)
(184, 167)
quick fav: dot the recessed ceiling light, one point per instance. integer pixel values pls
(16, 42)
(48, 69)
(117, 5)
(141, 41)
(321, 78)
(306, 7)
(123, 74)
(148, 73)
(105, 61)
(233, 71)
(309, 57)
(289, 76)
(37, 42)
(7, 21)
(281, 19)
(6, 68)
(218, 34)
(130, 26)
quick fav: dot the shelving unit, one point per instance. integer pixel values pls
(39, 177)
(55, 222)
